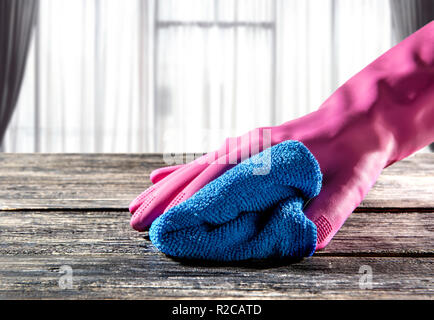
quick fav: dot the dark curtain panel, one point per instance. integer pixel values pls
(17, 18)
(409, 16)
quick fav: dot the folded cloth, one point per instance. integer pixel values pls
(252, 211)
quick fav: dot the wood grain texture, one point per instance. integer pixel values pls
(111, 181)
(41, 181)
(99, 232)
(152, 276)
(110, 260)
(71, 209)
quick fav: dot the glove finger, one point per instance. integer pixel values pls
(225, 162)
(154, 200)
(161, 173)
(161, 195)
(149, 193)
(213, 171)
(238, 216)
(151, 203)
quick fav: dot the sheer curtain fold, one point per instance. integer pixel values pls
(87, 79)
(175, 76)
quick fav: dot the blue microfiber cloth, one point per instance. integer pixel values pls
(252, 211)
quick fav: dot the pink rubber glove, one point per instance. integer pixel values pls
(380, 116)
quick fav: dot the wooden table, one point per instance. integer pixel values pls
(71, 210)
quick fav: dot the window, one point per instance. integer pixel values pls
(182, 75)
(215, 69)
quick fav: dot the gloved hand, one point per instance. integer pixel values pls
(244, 214)
(380, 116)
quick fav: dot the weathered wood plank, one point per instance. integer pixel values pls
(95, 233)
(151, 276)
(111, 181)
(73, 180)
(407, 183)
(110, 260)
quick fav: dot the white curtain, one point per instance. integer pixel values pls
(181, 75)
